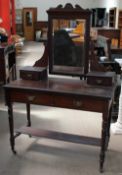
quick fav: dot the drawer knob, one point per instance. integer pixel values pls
(29, 75)
(78, 103)
(31, 98)
(99, 81)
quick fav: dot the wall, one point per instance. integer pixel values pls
(42, 6)
(120, 4)
(107, 3)
(46, 4)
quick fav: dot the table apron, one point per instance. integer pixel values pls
(70, 101)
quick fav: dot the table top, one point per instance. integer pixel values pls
(63, 86)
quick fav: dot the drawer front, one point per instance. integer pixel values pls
(81, 103)
(99, 81)
(29, 75)
(32, 98)
(64, 101)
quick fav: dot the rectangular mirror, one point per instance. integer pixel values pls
(68, 40)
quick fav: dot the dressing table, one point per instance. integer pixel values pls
(63, 92)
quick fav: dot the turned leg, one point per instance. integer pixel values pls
(11, 128)
(28, 114)
(104, 139)
(108, 128)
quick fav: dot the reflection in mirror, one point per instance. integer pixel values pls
(68, 42)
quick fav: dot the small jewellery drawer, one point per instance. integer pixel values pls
(99, 81)
(101, 78)
(33, 73)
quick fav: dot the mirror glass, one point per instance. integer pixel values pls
(68, 45)
(68, 40)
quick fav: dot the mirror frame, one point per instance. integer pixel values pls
(69, 12)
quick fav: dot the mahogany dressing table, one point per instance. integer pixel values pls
(63, 92)
(72, 94)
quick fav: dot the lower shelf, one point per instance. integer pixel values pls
(58, 136)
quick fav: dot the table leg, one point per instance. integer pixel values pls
(116, 128)
(108, 128)
(11, 128)
(28, 114)
(104, 139)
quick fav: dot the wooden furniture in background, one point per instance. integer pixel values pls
(98, 17)
(120, 19)
(42, 28)
(40, 24)
(115, 20)
(19, 22)
(29, 19)
(7, 63)
(112, 17)
(110, 65)
(111, 33)
(120, 26)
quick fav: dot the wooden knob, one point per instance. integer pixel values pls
(31, 98)
(78, 103)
